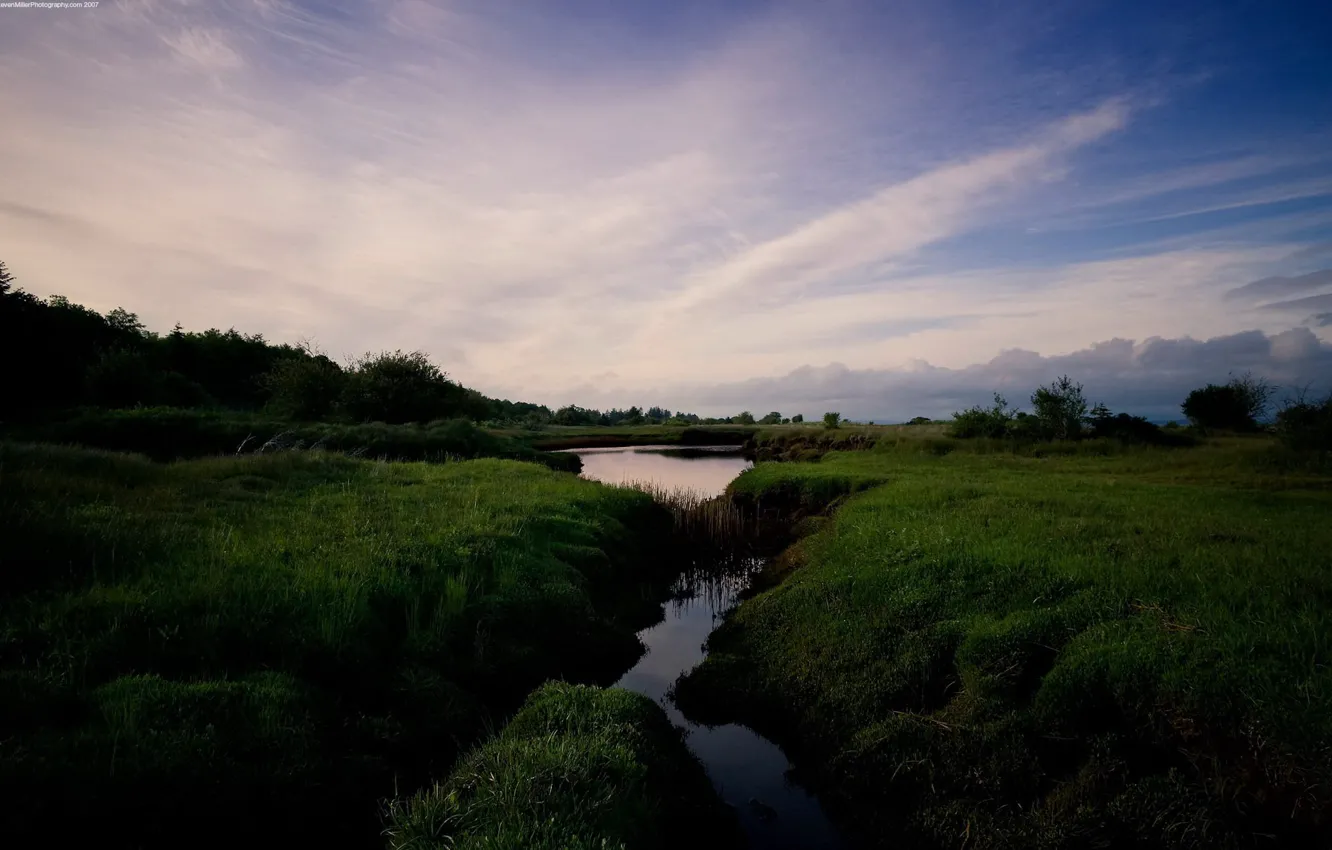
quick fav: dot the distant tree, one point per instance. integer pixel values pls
(574, 415)
(745, 418)
(308, 387)
(786, 421)
(773, 418)
(1236, 405)
(920, 420)
(6, 279)
(125, 322)
(397, 387)
(832, 420)
(1098, 413)
(797, 419)
(1060, 409)
(1256, 394)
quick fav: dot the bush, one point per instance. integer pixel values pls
(745, 418)
(1024, 427)
(1234, 406)
(400, 387)
(832, 420)
(305, 388)
(992, 422)
(1060, 408)
(1305, 426)
(1133, 430)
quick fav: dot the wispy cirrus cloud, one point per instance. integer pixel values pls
(538, 192)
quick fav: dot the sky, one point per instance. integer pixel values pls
(888, 209)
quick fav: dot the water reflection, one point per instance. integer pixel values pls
(706, 469)
(749, 771)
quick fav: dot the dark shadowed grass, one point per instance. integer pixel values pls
(553, 437)
(577, 767)
(265, 643)
(167, 434)
(699, 518)
(1086, 650)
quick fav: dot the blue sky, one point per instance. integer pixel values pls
(887, 208)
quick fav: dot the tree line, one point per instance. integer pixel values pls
(1244, 404)
(60, 356)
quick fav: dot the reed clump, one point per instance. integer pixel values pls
(700, 518)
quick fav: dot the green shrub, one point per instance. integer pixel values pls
(1059, 409)
(992, 422)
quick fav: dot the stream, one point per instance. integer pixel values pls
(749, 772)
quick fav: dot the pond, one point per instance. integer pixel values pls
(749, 771)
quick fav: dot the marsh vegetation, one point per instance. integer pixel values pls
(361, 604)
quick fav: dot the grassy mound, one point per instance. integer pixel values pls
(267, 643)
(1127, 650)
(577, 767)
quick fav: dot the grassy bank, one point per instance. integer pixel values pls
(1111, 647)
(167, 434)
(268, 644)
(578, 767)
(555, 437)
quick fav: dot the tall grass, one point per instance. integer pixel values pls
(1084, 650)
(697, 517)
(577, 768)
(284, 634)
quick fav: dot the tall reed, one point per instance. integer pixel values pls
(700, 518)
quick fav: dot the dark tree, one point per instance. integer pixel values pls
(397, 387)
(1234, 406)
(1060, 409)
(307, 387)
(6, 279)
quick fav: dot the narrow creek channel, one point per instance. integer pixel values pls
(750, 772)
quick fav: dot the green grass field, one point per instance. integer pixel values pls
(269, 644)
(1100, 646)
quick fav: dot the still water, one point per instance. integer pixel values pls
(749, 771)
